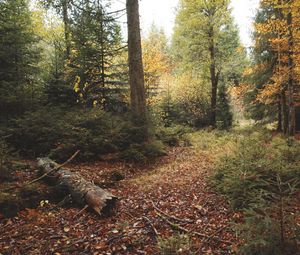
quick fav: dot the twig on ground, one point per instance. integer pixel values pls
(215, 233)
(178, 227)
(152, 226)
(66, 199)
(171, 216)
(81, 211)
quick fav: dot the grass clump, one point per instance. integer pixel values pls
(174, 245)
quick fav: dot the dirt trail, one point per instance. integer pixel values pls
(157, 201)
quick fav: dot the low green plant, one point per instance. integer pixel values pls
(59, 132)
(140, 153)
(174, 245)
(262, 179)
(6, 166)
(173, 135)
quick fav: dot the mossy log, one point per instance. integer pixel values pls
(83, 192)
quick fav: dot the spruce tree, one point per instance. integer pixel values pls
(19, 57)
(224, 114)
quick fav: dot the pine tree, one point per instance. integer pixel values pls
(224, 114)
(19, 57)
(97, 42)
(93, 49)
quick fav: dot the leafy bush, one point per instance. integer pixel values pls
(187, 102)
(261, 178)
(133, 154)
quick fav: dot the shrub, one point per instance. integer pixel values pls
(133, 154)
(60, 133)
(140, 153)
(261, 179)
(172, 136)
(6, 166)
(186, 102)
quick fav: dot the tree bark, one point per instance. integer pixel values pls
(66, 27)
(136, 70)
(284, 111)
(291, 106)
(279, 121)
(82, 191)
(213, 78)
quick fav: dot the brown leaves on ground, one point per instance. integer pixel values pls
(165, 198)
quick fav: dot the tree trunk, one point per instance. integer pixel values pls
(136, 71)
(279, 123)
(284, 111)
(82, 191)
(291, 106)
(66, 27)
(214, 79)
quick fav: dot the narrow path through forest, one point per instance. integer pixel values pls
(171, 198)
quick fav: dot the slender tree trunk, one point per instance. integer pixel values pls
(136, 71)
(291, 106)
(279, 123)
(66, 27)
(101, 21)
(213, 79)
(284, 111)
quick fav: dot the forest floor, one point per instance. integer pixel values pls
(164, 205)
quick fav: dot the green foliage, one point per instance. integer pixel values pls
(224, 115)
(212, 55)
(261, 233)
(133, 154)
(174, 245)
(186, 102)
(19, 55)
(263, 62)
(60, 133)
(6, 166)
(173, 135)
(140, 153)
(96, 44)
(261, 177)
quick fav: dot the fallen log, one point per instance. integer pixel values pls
(83, 192)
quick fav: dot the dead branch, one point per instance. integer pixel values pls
(178, 227)
(152, 226)
(171, 216)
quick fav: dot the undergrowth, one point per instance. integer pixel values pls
(59, 133)
(261, 179)
(174, 245)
